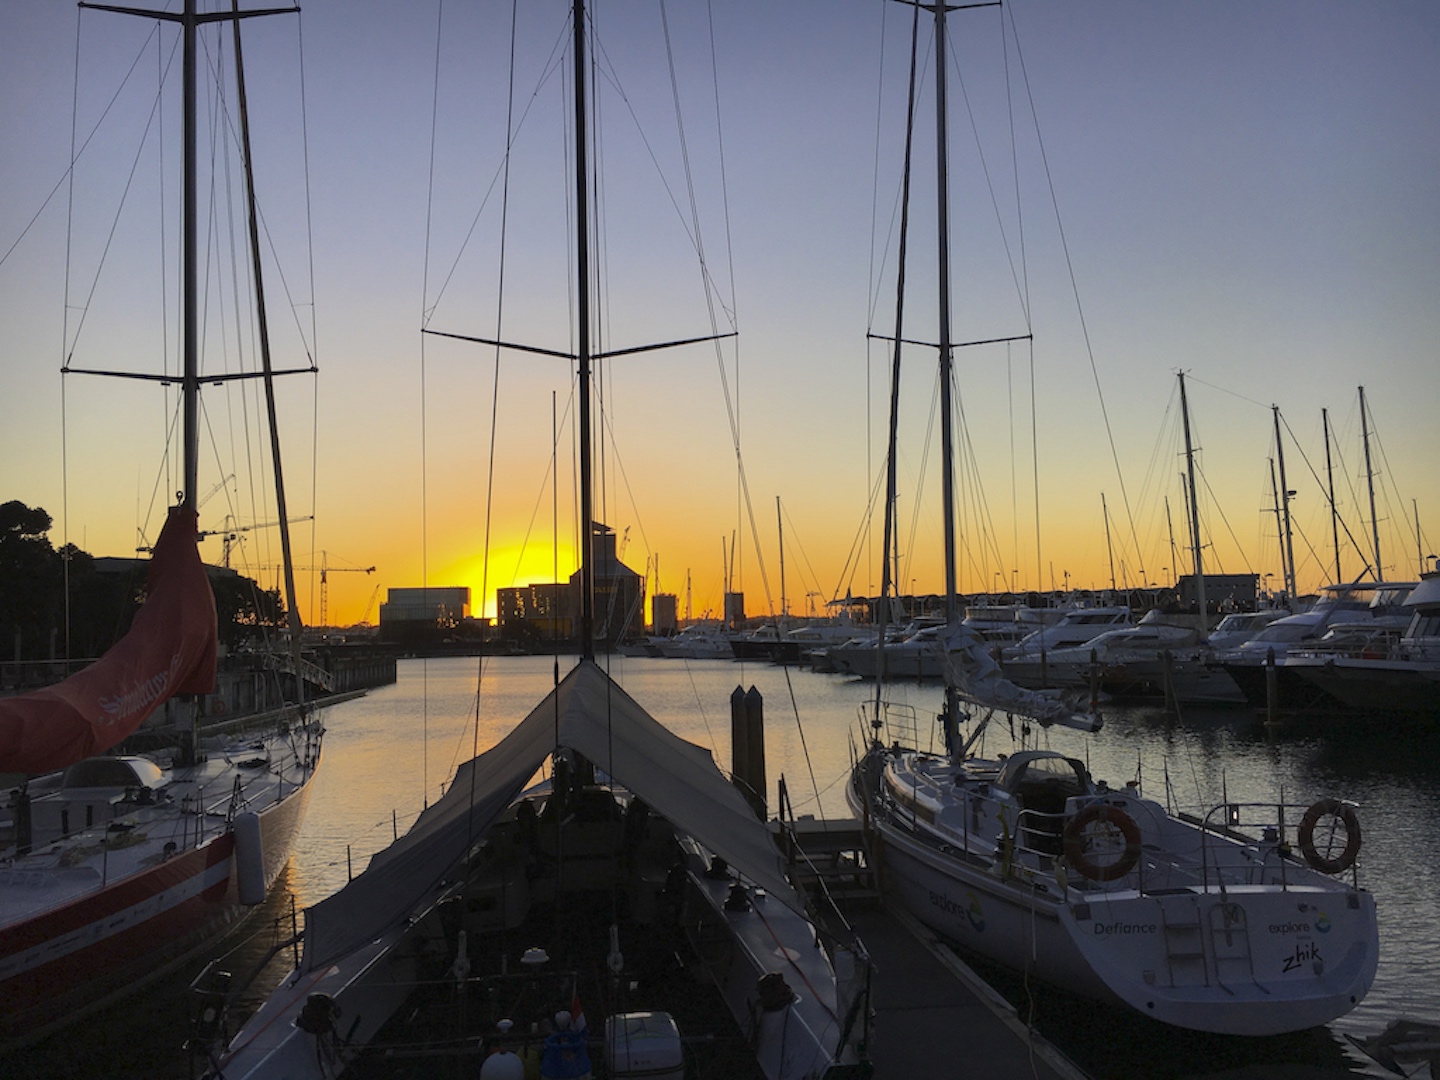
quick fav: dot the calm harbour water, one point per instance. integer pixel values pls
(386, 752)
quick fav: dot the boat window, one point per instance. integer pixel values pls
(1424, 626)
(1286, 631)
(1054, 773)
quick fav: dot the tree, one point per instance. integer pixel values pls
(31, 576)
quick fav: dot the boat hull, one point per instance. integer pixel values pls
(1257, 961)
(83, 955)
(1369, 686)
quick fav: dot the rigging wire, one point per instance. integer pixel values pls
(424, 427)
(495, 385)
(1074, 284)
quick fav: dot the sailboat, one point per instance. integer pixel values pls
(118, 867)
(633, 892)
(1245, 920)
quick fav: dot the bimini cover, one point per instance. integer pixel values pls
(596, 718)
(169, 650)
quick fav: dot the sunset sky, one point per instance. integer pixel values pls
(1249, 192)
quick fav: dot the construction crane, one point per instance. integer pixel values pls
(231, 537)
(326, 570)
(365, 619)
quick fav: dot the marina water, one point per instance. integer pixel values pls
(390, 752)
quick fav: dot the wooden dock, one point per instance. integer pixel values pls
(934, 1017)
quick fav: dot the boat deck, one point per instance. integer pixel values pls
(930, 1007)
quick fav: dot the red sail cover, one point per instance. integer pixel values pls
(169, 650)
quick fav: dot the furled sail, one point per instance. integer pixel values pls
(169, 650)
(975, 675)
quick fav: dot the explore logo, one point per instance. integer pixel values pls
(972, 912)
(1294, 927)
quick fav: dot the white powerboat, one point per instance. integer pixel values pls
(1387, 672)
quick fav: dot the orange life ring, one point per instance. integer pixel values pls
(217, 706)
(1346, 814)
(1075, 842)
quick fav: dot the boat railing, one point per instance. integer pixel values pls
(1234, 844)
(891, 722)
(1276, 843)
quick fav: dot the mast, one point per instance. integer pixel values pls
(190, 333)
(1194, 509)
(263, 327)
(582, 293)
(1288, 551)
(190, 20)
(1109, 550)
(947, 434)
(780, 529)
(1170, 528)
(892, 484)
(1279, 531)
(1330, 486)
(1370, 483)
(1419, 548)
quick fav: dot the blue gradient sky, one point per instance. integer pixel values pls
(1250, 192)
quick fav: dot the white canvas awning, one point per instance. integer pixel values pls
(590, 714)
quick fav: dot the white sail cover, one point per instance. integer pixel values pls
(975, 675)
(590, 714)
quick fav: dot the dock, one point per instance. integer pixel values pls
(933, 1015)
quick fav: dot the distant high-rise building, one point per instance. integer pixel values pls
(552, 611)
(735, 610)
(664, 613)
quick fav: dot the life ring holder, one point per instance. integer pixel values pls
(1331, 808)
(1074, 836)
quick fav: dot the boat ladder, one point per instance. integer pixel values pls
(1230, 942)
(1185, 945)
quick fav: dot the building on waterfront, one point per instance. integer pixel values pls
(664, 614)
(1223, 592)
(534, 615)
(424, 613)
(735, 610)
(547, 611)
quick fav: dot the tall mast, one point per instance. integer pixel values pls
(1170, 527)
(942, 222)
(947, 435)
(582, 293)
(1330, 486)
(1194, 509)
(263, 326)
(1279, 529)
(1419, 548)
(1109, 549)
(1288, 552)
(780, 530)
(190, 21)
(190, 334)
(887, 577)
(1370, 483)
